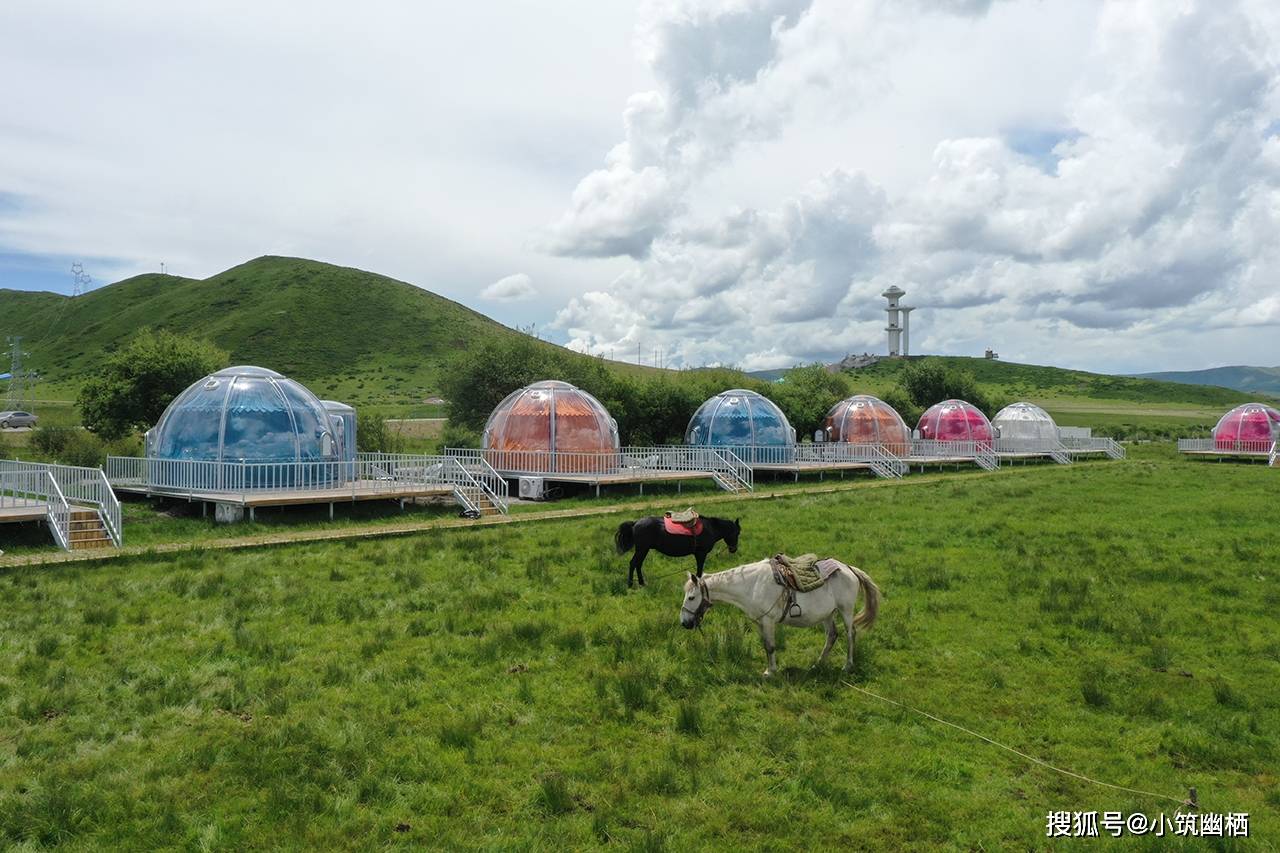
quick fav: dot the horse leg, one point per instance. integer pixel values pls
(832, 634)
(766, 636)
(701, 557)
(851, 635)
(638, 563)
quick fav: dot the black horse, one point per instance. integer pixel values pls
(649, 533)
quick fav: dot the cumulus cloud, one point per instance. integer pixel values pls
(513, 288)
(1143, 209)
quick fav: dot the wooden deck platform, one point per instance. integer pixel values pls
(362, 490)
(23, 509)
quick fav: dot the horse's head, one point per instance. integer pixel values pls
(732, 531)
(697, 601)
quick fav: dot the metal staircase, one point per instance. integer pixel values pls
(985, 455)
(1058, 453)
(731, 473)
(885, 465)
(1274, 456)
(480, 490)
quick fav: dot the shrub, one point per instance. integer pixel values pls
(372, 436)
(136, 384)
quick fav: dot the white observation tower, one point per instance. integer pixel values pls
(899, 327)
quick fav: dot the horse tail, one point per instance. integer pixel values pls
(625, 537)
(871, 607)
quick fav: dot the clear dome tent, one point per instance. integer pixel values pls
(743, 419)
(1251, 427)
(1025, 422)
(954, 420)
(550, 426)
(863, 419)
(245, 414)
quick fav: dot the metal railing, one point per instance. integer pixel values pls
(931, 449)
(369, 473)
(1274, 456)
(1093, 444)
(23, 484)
(1052, 448)
(729, 471)
(489, 481)
(1226, 446)
(78, 486)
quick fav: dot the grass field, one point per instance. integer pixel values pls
(501, 689)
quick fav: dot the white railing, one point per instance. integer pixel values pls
(493, 484)
(376, 473)
(636, 461)
(22, 484)
(80, 486)
(1225, 446)
(1274, 456)
(1052, 447)
(932, 449)
(738, 477)
(1094, 444)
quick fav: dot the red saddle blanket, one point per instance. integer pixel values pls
(675, 528)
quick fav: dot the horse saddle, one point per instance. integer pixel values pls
(686, 523)
(804, 573)
(800, 574)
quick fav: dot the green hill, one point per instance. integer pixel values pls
(377, 342)
(1252, 380)
(347, 333)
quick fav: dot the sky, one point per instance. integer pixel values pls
(1072, 182)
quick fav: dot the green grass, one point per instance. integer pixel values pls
(499, 688)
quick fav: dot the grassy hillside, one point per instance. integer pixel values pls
(1251, 380)
(347, 333)
(380, 344)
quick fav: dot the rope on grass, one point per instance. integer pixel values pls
(1190, 802)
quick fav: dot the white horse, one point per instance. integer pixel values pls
(752, 589)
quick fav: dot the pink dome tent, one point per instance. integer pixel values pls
(955, 420)
(863, 419)
(1252, 427)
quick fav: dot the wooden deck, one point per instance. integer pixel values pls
(23, 509)
(363, 490)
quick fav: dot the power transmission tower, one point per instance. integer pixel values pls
(16, 397)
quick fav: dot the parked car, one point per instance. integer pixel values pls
(13, 420)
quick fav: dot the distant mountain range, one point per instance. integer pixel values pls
(1252, 380)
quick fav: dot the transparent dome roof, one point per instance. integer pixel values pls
(1025, 422)
(954, 420)
(863, 419)
(739, 418)
(1250, 423)
(551, 415)
(244, 414)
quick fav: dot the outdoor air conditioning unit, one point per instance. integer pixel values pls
(532, 488)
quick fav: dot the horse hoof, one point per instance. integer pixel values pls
(768, 673)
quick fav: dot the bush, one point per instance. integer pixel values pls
(931, 381)
(69, 445)
(137, 383)
(806, 394)
(372, 436)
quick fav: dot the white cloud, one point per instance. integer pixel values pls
(512, 288)
(1127, 220)
(1084, 182)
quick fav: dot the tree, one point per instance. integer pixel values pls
(931, 381)
(475, 381)
(135, 384)
(806, 394)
